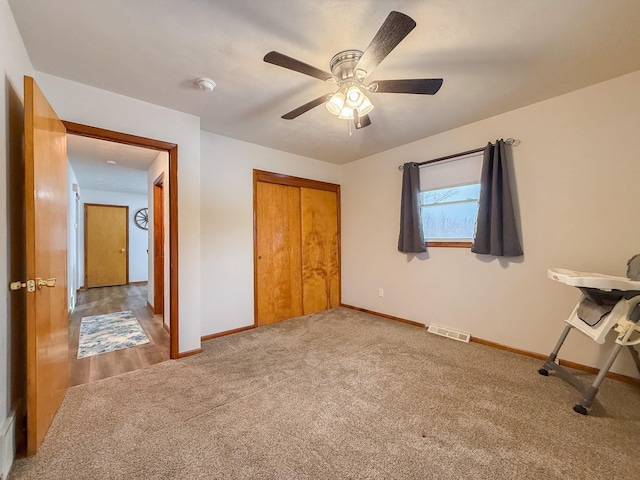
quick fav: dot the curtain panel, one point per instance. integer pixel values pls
(411, 238)
(496, 232)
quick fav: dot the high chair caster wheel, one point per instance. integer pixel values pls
(580, 409)
(544, 372)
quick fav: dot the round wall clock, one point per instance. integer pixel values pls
(142, 218)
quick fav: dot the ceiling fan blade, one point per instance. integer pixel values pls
(277, 58)
(361, 122)
(422, 86)
(306, 107)
(391, 33)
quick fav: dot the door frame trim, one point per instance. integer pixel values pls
(172, 151)
(282, 179)
(126, 207)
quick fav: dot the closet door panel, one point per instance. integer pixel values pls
(320, 257)
(278, 256)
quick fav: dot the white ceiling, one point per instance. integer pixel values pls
(494, 56)
(88, 158)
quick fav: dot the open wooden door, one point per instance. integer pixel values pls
(46, 258)
(158, 245)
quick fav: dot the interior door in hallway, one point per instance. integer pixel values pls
(46, 262)
(158, 245)
(106, 230)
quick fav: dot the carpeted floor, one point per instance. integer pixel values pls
(340, 394)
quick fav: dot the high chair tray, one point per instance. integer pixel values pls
(592, 280)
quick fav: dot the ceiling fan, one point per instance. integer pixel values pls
(350, 69)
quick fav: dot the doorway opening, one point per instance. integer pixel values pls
(169, 282)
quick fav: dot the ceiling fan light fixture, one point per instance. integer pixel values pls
(365, 108)
(355, 97)
(336, 103)
(346, 113)
(349, 102)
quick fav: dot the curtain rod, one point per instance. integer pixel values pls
(508, 141)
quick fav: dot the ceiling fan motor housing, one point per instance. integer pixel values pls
(343, 64)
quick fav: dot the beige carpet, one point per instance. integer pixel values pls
(336, 395)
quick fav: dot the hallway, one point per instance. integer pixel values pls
(103, 300)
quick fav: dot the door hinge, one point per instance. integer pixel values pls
(30, 285)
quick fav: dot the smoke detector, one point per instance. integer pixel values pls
(206, 84)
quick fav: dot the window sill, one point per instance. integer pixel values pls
(449, 244)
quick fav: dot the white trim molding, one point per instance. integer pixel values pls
(7, 445)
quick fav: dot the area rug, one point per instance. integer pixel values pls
(109, 332)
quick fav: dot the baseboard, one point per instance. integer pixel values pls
(566, 363)
(72, 303)
(189, 353)
(540, 356)
(150, 308)
(7, 445)
(384, 315)
(226, 332)
(143, 282)
(166, 327)
(526, 353)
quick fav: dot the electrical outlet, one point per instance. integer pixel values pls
(381, 292)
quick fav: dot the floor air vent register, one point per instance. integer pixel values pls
(449, 333)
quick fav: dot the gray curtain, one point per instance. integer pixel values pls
(410, 239)
(496, 232)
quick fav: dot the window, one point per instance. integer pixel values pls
(449, 214)
(449, 201)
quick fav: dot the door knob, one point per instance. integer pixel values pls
(123, 250)
(49, 282)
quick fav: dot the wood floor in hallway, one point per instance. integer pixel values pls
(97, 301)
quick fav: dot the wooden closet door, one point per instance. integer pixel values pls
(320, 261)
(278, 259)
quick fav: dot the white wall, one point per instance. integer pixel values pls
(576, 175)
(80, 103)
(227, 223)
(138, 238)
(14, 64)
(73, 235)
(160, 166)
